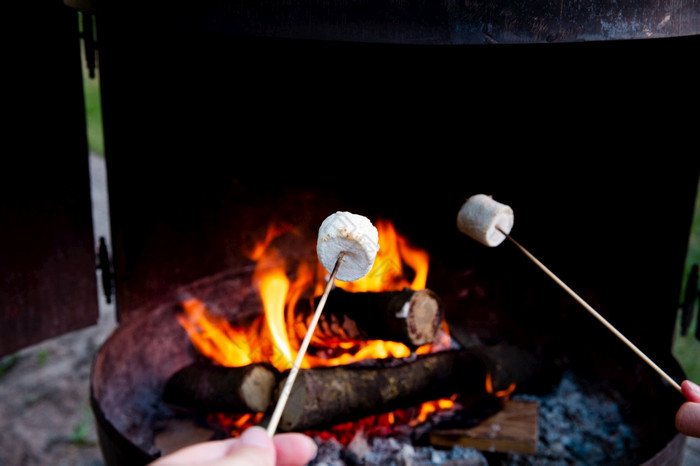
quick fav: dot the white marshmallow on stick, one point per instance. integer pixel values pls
(490, 222)
(485, 220)
(347, 246)
(354, 236)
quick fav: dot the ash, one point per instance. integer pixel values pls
(392, 451)
(580, 426)
(576, 426)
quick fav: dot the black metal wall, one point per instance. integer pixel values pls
(47, 251)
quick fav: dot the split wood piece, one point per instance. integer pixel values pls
(207, 387)
(409, 317)
(512, 429)
(327, 396)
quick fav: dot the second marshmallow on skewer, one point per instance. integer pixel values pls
(485, 220)
(490, 222)
(355, 237)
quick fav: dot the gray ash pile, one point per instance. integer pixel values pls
(576, 426)
(580, 426)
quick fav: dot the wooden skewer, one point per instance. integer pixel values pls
(287, 388)
(594, 312)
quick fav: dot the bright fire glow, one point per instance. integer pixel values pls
(275, 336)
(394, 255)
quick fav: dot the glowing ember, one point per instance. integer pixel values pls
(498, 393)
(426, 409)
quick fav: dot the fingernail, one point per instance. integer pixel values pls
(256, 436)
(694, 388)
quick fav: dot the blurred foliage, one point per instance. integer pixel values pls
(6, 363)
(93, 106)
(93, 110)
(686, 348)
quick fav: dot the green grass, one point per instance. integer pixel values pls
(93, 108)
(686, 349)
(93, 111)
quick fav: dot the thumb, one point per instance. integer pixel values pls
(254, 447)
(688, 419)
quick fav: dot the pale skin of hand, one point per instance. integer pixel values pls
(252, 448)
(688, 415)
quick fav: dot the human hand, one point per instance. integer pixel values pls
(252, 448)
(688, 415)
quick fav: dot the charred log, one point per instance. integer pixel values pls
(326, 396)
(207, 387)
(409, 317)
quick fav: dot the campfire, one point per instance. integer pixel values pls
(378, 330)
(429, 358)
(274, 336)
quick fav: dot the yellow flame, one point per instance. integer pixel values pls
(213, 336)
(276, 335)
(387, 273)
(273, 291)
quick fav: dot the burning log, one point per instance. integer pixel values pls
(207, 387)
(409, 317)
(326, 396)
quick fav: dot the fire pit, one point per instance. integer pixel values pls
(242, 130)
(578, 403)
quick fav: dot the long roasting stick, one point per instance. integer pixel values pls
(594, 312)
(287, 388)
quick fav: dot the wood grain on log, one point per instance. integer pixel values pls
(326, 396)
(211, 388)
(411, 317)
(513, 429)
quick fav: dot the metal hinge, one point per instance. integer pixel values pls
(104, 265)
(87, 32)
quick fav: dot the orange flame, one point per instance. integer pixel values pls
(505, 393)
(394, 255)
(275, 336)
(426, 409)
(213, 336)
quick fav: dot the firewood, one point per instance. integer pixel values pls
(409, 317)
(512, 429)
(326, 396)
(207, 387)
